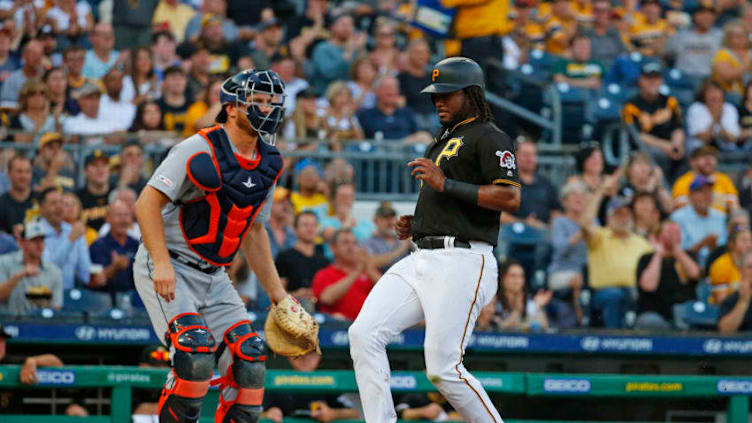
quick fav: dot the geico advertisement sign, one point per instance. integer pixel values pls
(729, 387)
(403, 382)
(56, 377)
(578, 386)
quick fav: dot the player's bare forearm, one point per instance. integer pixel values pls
(499, 197)
(258, 254)
(46, 360)
(149, 216)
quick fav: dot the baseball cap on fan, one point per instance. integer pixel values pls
(651, 68)
(699, 183)
(385, 210)
(50, 137)
(89, 88)
(33, 229)
(96, 155)
(617, 203)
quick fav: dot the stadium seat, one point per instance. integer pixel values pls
(540, 64)
(703, 291)
(733, 98)
(625, 70)
(78, 300)
(524, 244)
(699, 315)
(577, 113)
(690, 5)
(606, 108)
(570, 94)
(45, 312)
(675, 78)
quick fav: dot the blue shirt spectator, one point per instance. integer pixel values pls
(8, 62)
(7, 243)
(115, 252)
(104, 251)
(275, 246)
(277, 223)
(568, 256)
(66, 249)
(387, 117)
(65, 244)
(702, 227)
(31, 55)
(102, 56)
(331, 59)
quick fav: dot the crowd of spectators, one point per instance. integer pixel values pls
(611, 246)
(87, 87)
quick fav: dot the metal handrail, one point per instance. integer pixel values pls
(553, 124)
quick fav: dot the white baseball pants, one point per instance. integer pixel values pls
(447, 288)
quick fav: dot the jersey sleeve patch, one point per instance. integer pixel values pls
(506, 159)
(166, 181)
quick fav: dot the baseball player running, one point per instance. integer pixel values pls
(206, 201)
(468, 176)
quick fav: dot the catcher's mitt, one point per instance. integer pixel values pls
(290, 331)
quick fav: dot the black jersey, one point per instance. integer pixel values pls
(476, 153)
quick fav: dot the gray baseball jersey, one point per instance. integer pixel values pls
(171, 179)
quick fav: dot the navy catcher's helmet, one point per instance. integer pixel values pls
(454, 74)
(241, 88)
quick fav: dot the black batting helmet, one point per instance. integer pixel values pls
(454, 74)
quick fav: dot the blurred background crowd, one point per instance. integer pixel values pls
(93, 92)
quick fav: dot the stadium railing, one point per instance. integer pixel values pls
(122, 379)
(380, 166)
(527, 79)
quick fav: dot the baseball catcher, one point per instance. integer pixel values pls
(205, 202)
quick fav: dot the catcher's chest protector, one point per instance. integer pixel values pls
(214, 224)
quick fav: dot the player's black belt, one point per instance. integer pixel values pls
(435, 242)
(203, 268)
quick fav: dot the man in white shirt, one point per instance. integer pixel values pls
(90, 121)
(111, 104)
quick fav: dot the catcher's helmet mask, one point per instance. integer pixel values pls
(243, 90)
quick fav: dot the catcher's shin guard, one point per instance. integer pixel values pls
(245, 374)
(192, 369)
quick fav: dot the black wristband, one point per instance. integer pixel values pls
(462, 190)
